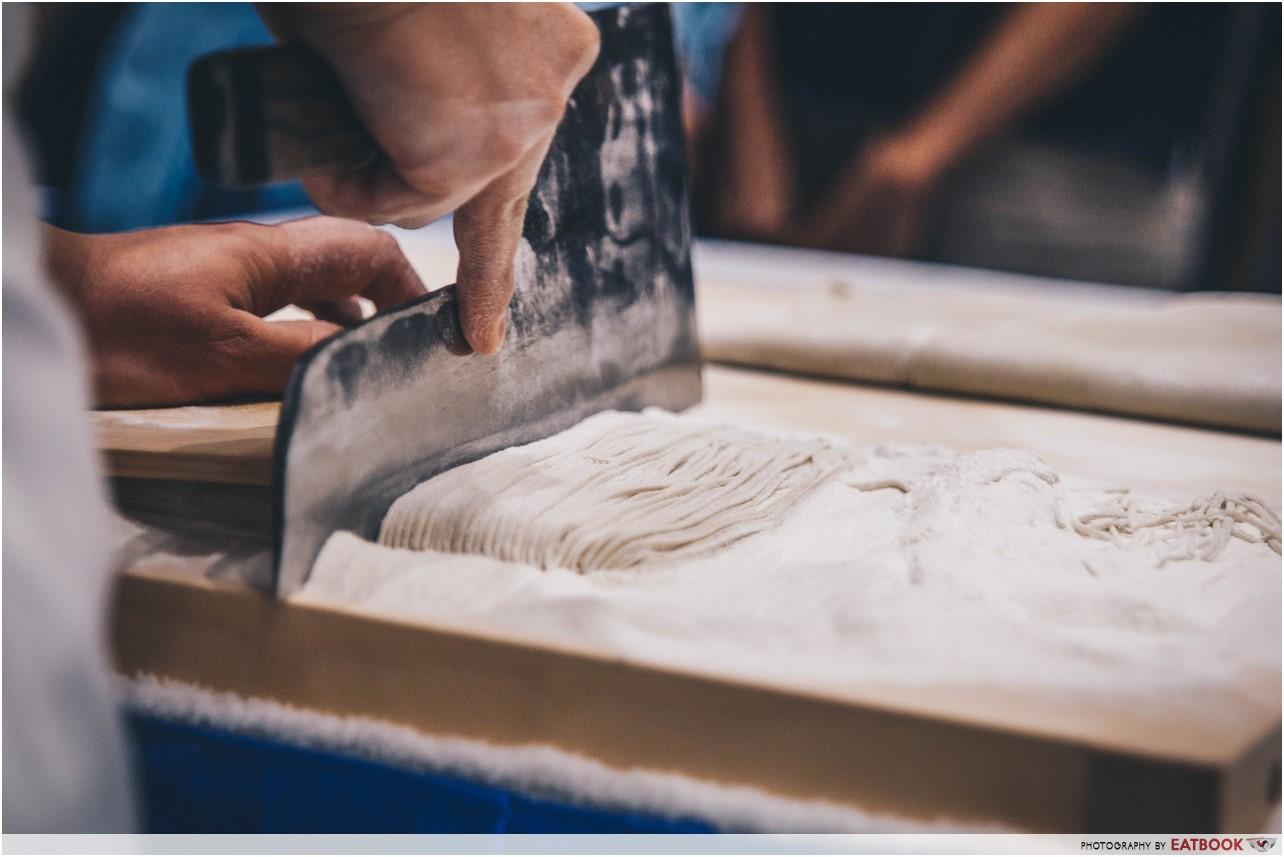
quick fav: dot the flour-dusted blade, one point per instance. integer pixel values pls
(603, 318)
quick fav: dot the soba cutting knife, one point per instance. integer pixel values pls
(603, 316)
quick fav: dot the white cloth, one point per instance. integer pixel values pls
(65, 762)
(538, 770)
(1205, 358)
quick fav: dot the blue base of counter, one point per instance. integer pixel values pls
(201, 780)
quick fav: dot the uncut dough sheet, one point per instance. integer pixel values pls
(966, 581)
(1206, 358)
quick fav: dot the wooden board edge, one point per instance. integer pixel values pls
(441, 683)
(178, 466)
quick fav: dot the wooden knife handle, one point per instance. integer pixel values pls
(268, 114)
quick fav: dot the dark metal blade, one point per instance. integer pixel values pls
(603, 318)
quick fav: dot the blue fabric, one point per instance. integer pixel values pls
(702, 31)
(199, 780)
(134, 163)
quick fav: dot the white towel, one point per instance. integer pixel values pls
(536, 770)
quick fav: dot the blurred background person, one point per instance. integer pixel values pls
(1134, 144)
(1091, 141)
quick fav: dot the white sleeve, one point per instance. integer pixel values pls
(65, 762)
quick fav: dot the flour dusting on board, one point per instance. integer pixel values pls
(906, 566)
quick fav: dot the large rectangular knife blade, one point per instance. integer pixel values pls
(603, 318)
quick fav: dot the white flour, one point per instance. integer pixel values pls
(966, 579)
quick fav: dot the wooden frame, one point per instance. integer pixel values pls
(1074, 764)
(981, 763)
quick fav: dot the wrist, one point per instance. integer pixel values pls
(935, 145)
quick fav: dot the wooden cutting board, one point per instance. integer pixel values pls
(203, 466)
(215, 462)
(1072, 767)
(232, 444)
(217, 443)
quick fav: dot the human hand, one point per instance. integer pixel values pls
(174, 315)
(880, 200)
(463, 99)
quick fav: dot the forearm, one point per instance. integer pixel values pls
(757, 150)
(67, 260)
(1037, 51)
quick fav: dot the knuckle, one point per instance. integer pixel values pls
(386, 251)
(506, 148)
(383, 243)
(503, 144)
(580, 45)
(430, 187)
(411, 221)
(589, 42)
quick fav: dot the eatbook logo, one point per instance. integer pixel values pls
(1261, 844)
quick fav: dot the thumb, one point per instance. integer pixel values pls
(487, 230)
(273, 347)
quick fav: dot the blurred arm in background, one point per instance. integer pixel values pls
(755, 199)
(701, 31)
(1037, 51)
(881, 196)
